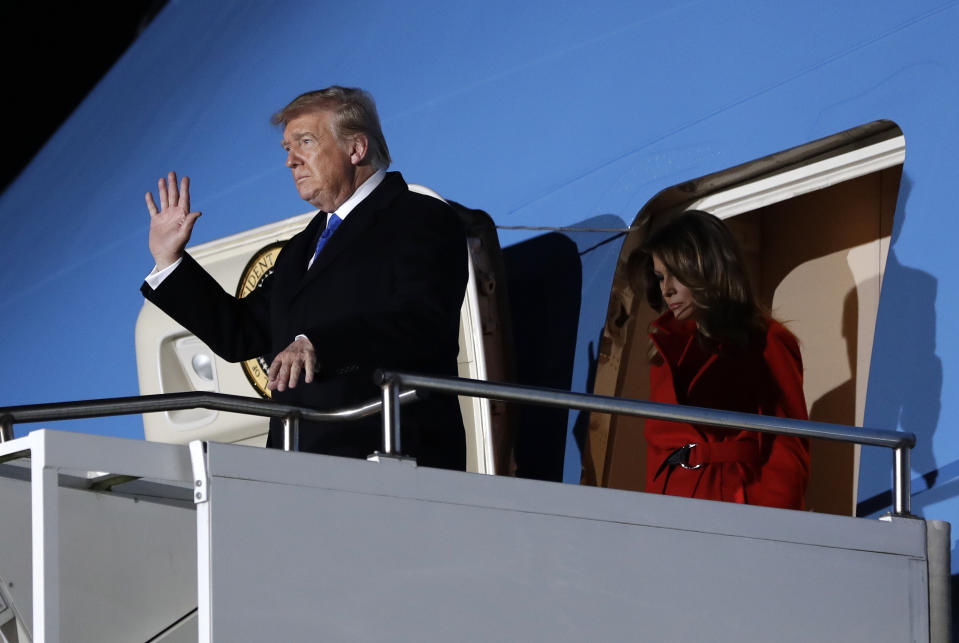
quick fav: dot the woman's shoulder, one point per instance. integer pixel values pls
(778, 331)
(781, 341)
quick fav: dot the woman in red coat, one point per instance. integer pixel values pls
(714, 347)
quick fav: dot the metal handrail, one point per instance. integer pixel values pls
(391, 384)
(900, 442)
(291, 415)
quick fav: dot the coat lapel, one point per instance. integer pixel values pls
(301, 246)
(354, 226)
(674, 340)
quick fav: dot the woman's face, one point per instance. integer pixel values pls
(677, 296)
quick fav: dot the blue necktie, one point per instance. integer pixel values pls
(331, 227)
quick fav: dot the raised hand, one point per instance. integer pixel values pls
(172, 224)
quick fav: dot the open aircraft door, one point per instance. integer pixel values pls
(814, 223)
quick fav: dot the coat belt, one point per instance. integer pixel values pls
(694, 455)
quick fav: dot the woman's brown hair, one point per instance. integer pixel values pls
(699, 250)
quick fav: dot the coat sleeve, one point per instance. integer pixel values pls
(785, 469)
(234, 328)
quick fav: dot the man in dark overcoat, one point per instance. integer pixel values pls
(376, 280)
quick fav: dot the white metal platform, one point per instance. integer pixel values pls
(248, 544)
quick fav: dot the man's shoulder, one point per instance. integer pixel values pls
(397, 185)
(415, 205)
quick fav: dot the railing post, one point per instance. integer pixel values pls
(391, 417)
(902, 482)
(291, 433)
(6, 429)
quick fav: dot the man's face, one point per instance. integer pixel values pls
(322, 168)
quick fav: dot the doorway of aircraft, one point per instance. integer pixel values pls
(814, 223)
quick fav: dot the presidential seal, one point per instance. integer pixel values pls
(257, 270)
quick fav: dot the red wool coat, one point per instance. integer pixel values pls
(738, 466)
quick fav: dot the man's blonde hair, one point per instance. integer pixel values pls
(354, 112)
